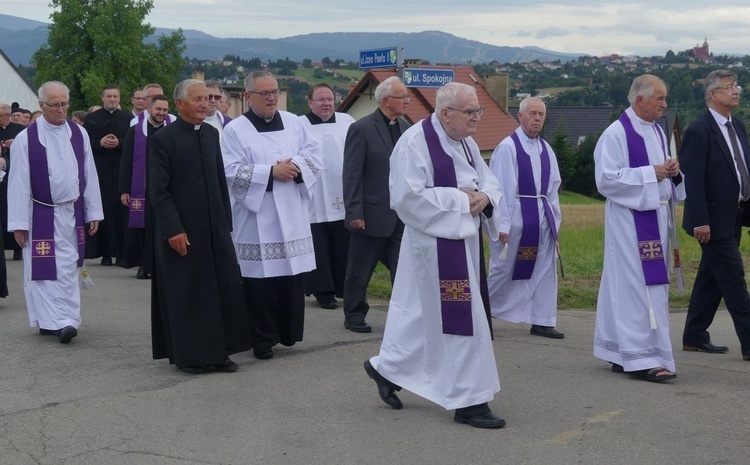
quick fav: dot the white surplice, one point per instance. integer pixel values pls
(216, 120)
(53, 304)
(452, 371)
(532, 300)
(623, 333)
(271, 228)
(328, 196)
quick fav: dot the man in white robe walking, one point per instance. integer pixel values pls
(635, 173)
(272, 164)
(523, 284)
(50, 227)
(438, 341)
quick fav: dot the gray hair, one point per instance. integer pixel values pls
(713, 80)
(225, 95)
(642, 86)
(4, 107)
(250, 79)
(385, 88)
(181, 89)
(213, 83)
(42, 92)
(446, 95)
(524, 105)
(153, 86)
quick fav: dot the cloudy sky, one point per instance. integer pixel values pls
(573, 26)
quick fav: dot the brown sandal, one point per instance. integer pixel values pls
(655, 374)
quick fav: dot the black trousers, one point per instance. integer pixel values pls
(721, 274)
(364, 254)
(275, 310)
(331, 241)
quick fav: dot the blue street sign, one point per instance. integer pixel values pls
(421, 77)
(378, 58)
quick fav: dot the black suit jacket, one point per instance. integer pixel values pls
(367, 155)
(711, 182)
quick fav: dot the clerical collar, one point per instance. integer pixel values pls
(154, 124)
(386, 119)
(315, 119)
(261, 125)
(187, 124)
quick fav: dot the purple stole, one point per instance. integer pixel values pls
(453, 269)
(225, 119)
(137, 207)
(646, 222)
(528, 197)
(43, 265)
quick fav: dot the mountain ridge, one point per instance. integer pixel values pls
(21, 37)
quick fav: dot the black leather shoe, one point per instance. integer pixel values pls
(192, 370)
(385, 388)
(329, 303)
(141, 274)
(483, 420)
(546, 331)
(17, 255)
(227, 367)
(49, 332)
(67, 333)
(746, 357)
(358, 327)
(106, 261)
(263, 353)
(705, 347)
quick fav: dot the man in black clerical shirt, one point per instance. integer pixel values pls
(375, 229)
(107, 128)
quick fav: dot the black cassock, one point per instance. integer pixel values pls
(198, 314)
(137, 247)
(107, 242)
(8, 132)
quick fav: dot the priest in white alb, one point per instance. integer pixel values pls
(272, 164)
(523, 277)
(330, 236)
(438, 340)
(53, 193)
(636, 174)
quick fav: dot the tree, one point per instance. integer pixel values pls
(92, 43)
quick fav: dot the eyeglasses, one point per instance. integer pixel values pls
(266, 93)
(406, 97)
(322, 100)
(57, 106)
(215, 97)
(731, 87)
(469, 112)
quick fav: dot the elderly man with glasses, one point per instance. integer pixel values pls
(438, 339)
(714, 157)
(375, 228)
(53, 201)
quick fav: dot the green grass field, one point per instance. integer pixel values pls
(582, 245)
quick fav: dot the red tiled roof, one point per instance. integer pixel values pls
(495, 125)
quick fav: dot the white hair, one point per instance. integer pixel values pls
(42, 92)
(642, 86)
(181, 89)
(524, 105)
(446, 95)
(385, 88)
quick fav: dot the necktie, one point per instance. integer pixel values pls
(744, 178)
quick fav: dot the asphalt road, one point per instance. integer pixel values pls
(102, 399)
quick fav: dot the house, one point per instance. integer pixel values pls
(494, 126)
(578, 123)
(13, 88)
